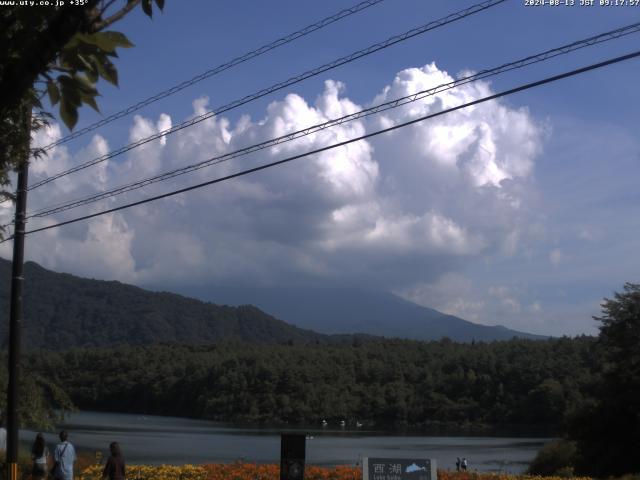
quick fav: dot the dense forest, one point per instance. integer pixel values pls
(500, 384)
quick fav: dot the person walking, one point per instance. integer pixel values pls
(40, 457)
(3, 435)
(465, 464)
(457, 464)
(114, 469)
(64, 456)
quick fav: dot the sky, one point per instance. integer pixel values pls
(520, 212)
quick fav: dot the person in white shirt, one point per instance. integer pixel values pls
(64, 456)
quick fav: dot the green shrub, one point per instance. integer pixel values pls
(554, 458)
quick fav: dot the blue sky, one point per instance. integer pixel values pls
(530, 234)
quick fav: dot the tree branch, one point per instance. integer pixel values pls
(106, 6)
(96, 27)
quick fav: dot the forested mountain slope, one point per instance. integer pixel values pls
(63, 311)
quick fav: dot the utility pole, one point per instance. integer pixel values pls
(15, 318)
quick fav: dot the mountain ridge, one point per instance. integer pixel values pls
(343, 310)
(72, 311)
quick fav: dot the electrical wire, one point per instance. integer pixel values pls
(279, 86)
(486, 73)
(219, 69)
(504, 93)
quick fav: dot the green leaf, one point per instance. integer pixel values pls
(79, 40)
(90, 100)
(160, 4)
(108, 41)
(98, 60)
(86, 63)
(54, 93)
(109, 72)
(146, 8)
(119, 38)
(93, 74)
(70, 92)
(80, 57)
(72, 96)
(68, 113)
(84, 84)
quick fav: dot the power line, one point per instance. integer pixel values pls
(520, 88)
(532, 59)
(220, 68)
(279, 86)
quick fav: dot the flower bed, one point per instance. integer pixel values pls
(144, 472)
(448, 475)
(250, 471)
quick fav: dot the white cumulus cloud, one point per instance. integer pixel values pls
(398, 210)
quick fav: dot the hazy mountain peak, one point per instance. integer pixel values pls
(342, 310)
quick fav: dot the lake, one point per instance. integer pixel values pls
(172, 440)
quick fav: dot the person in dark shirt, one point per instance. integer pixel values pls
(114, 469)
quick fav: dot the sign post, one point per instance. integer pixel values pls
(292, 456)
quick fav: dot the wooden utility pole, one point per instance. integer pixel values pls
(15, 318)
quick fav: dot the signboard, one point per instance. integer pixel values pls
(398, 469)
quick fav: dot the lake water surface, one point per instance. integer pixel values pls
(172, 440)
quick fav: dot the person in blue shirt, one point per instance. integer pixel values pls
(64, 457)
